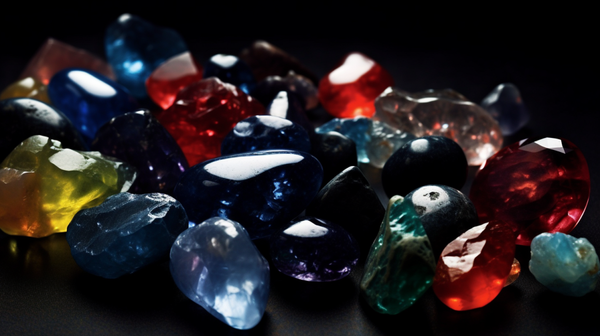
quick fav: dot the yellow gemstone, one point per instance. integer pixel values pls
(28, 88)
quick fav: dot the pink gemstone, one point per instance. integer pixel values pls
(172, 76)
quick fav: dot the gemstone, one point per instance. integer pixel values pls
(43, 185)
(313, 249)
(140, 140)
(135, 48)
(350, 89)
(422, 161)
(287, 105)
(473, 268)
(89, 99)
(216, 265)
(384, 141)
(265, 132)
(28, 87)
(536, 185)
(261, 190)
(202, 115)
(174, 74)
(24, 117)
(232, 70)
(444, 113)
(400, 266)
(125, 233)
(515, 271)
(335, 152)
(564, 264)
(504, 103)
(266, 90)
(356, 129)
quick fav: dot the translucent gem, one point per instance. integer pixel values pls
(28, 87)
(515, 271)
(504, 103)
(384, 141)
(232, 70)
(356, 129)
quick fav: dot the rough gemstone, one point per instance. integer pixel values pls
(43, 185)
(287, 105)
(232, 70)
(202, 115)
(261, 190)
(504, 103)
(125, 233)
(313, 249)
(473, 268)
(266, 90)
(384, 141)
(515, 271)
(28, 87)
(265, 132)
(174, 74)
(350, 89)
(445, 113)
(422, 161)
(140, 140)
(216, 265)
(540, 184)
(400, 266)
(335, 152)
(135, 48)
(564, 264)
(356, 129)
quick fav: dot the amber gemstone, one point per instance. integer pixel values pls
(515, 271)
(26, 88)
(172, 76)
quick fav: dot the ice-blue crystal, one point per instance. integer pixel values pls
(230, 69)
(356, 129)
(504, 103)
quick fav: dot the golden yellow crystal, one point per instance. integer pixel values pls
(28, 88)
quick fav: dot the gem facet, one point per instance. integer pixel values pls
(504, 103)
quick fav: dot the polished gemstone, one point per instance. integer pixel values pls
(356, 129)
(287, 105)
(335, 152)
(515, 271)
(174, 74)
(125, 233)
(540, 184)
(217, 266)
(232, 70)
(266, 90)
(384, 141)
(28, 87)
(504, 103)
(473, 268)
(43, 185)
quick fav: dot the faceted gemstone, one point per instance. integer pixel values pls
(400, 266)
(28, 87)
(266, 90)
(350, 89)
(504, 103)
(515, 271)
(445, 113)
(203, 113)
(356, 129)
(54, 56)
(217, 266)
(384, 141)
(445, 213)
(265, 132)
(261, 190)
(135, 48)
(140, 140)
(335, 152)
(43, 185)
(232, 70)
(125, 233)
(287, 105)
(564, 264)
(174, 74)
(89, 99)
(536, 185)
(24, 117)
(422, 161)
(473, 268)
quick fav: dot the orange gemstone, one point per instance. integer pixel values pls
(172, 76)
(515, 271)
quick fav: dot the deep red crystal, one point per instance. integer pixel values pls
(171, 76)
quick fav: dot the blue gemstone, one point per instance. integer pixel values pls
(230, 69)
(265, 132)
(289, 106)
(135, 47)
(356, 129)
(89, 99)
(125, 233)
(216, 265)
(260, 190)
(504, 103)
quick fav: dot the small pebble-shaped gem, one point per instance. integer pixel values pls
(287, 105)
(356, 129)
(232, 70)
(28, 87)
(174, 74)
(504, 103)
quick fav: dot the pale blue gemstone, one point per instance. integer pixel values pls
(356, 129)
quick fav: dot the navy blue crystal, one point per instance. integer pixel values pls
(230, 69)
(289, 106)
(504, 103)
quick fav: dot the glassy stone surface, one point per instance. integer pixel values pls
(313, 249)
(28, 87)
(335, 152)
(564, 264)
(384, 141)
(422, 161)
(473, 268)
(140, 140)
(287, 105)
(400, 266)
(443, 113)
(266, 90)
(261, 190)
(232, 70)
(216, 265)
(540, 184)
(350, 89)
(515, 271)
(504, 103)
(43, 185)
(125, 233)
(135, 48)
(356, 129)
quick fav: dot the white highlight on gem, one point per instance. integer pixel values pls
(353, 68)
(91, 84)
(245, 167)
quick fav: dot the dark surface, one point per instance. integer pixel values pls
(546, 51)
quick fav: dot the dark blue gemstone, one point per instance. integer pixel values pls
(504, 103)
(335, 151)
(230, 69)
(289, 106)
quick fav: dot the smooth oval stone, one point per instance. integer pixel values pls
(89, 99)
(28, 87)
(265, 132)
(384, 140)
(504, 103)
(335, 152)
(261, 190)
(125, 233)
(287, 105)
(266, 90)
(313, 249)
(140, 140)
(216, 265)
(356, 129)
(422, 161)
(25, 117)
(232, 70)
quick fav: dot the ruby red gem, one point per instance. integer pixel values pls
(171, 76)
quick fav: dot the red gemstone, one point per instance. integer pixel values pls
(202, 115)
(170, 77)
(536, 185)
(350, 89)
(473, 268)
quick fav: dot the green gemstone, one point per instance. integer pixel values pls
(401, 265)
